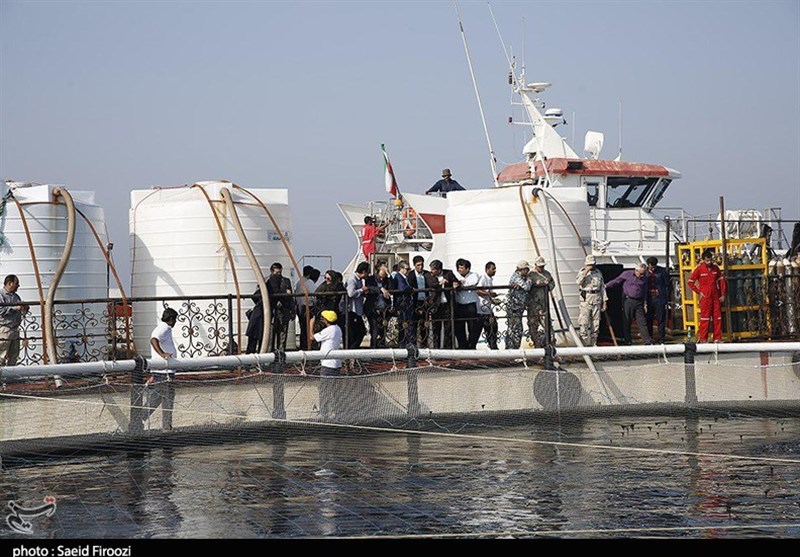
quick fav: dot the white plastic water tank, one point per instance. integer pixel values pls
(490, 225)
(177, 250)
(85, 275)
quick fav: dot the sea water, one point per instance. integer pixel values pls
(653, 476)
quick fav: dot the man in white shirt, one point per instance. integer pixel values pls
(306, 284)
(330, 338)
(467, 327)
(162, 347)
(488, 322)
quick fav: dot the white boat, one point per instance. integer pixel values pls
(555, 203)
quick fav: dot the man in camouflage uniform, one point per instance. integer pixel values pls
(593, 300)
(538, 299)
(520, 287)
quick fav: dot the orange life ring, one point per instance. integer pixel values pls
(409, 222)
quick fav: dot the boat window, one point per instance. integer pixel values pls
(628, 191)
(660, 189)
(592, 193)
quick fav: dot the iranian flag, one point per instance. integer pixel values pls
(391, 181)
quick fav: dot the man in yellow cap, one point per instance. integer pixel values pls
(329, 338)
(446, 184)
(520, 285)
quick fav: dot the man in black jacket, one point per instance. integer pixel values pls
(377, 303)
(282, 307)
(424, 285)
(442, 299)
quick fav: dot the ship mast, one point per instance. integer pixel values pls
(492, 158)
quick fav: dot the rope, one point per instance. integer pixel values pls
(566, 214)
(230, 260)
(34, 261)
(262, 285)
(129, 342)
(538, 253)
(47, 318)
(303, 363)
(291, 258)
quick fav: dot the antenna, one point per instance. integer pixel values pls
(503, 44)
(573, 129)
(492, 159)
(523, 47)
(619, 156)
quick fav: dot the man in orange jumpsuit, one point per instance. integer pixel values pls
(710, 286)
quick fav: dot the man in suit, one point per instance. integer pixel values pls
(441, 317)
(424, 286)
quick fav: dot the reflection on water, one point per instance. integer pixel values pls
(519, 481)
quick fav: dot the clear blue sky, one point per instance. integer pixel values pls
(114, 96)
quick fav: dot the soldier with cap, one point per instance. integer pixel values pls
(520, 285)
(593, 300)
(446, 184)
(542, 284)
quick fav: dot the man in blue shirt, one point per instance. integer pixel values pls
(634, 287)
(657, 297)
(445, 184)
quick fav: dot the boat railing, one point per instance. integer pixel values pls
(683, 226)
(101, 329)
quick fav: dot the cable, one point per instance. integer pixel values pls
(230, 260)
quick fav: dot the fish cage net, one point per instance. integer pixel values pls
(415, 447)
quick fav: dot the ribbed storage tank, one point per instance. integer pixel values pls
(490, 225)
(177, 250)
(85, 275)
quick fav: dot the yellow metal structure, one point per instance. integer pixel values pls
(746, 275)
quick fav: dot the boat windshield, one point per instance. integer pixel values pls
(628, 191)
(660, 189)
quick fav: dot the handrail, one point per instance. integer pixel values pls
(205, 363)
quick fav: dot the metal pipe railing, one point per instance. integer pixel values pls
(256, 360)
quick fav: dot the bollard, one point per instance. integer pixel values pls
(411, 378)
(688, 370)
(137, 412)
(278, 408)
(549, 356)
(549, 347)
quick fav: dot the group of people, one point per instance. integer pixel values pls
(408, 304)
(645, 291)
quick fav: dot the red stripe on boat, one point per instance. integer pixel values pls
(434, 222)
